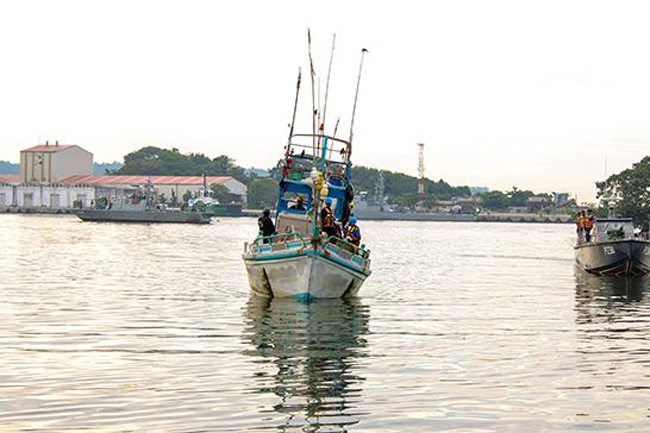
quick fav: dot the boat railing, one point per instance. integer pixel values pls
(279, 241)
(336, 148)
(349, 246)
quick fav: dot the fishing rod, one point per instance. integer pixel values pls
(356, 95)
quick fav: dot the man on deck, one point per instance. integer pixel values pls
(265, 223)
(327, 219)
(353, 232)
(588, 225)
(299, 204)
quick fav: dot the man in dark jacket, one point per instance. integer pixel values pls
(265, 223)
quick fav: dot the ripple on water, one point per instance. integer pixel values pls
(461, 327)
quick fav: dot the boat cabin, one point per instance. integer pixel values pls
(613, 229)
(331, 157)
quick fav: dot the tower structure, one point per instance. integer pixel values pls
(421, 170)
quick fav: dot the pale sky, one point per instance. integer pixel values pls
(538, 94)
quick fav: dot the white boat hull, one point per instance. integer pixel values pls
(306, 274)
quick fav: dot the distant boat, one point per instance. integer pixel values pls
(205, 201)
(301, 260)
(143, 216)
(136, 210)
(615, 249)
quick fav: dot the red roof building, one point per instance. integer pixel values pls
(142, 180)
(9, 178)
(49, 147)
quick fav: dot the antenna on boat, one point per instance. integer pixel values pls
(327, 84)
(336, 127)
(295, 105)
(318, 108)
(356, 95)
(313, 99)
(314, 173)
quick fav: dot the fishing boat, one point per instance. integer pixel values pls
(205, 201)
(301, 260)
(615, 249)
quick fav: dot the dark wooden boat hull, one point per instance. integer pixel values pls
(629, 257)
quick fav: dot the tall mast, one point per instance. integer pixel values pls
(327, 85)
(314, 173)
(295, 105)
(313, 99)
(356, 95)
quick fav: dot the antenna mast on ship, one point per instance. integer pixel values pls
(313, 99)
(321, 127)
(327, 84)
(295, 107)
(314, 175)
(356, 95)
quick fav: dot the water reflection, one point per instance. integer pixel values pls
(611, 318)
(313, 350)
(601, 298)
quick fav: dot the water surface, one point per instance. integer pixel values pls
(461, 327)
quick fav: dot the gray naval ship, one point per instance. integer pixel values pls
(143, 216)
(378, 209)
(134, 209)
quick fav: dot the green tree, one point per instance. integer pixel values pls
(262, 193)
(221, 193)
(402, 189)
(631, 190)
(153, 160)
(495, 200)
(518, 197)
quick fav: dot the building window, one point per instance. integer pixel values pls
(28, 199)
(54, 200)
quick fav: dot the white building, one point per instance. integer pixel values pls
(51, 163)
(42, 195)
(8, 187)
(53, 196)
(107, 185)
(60, 176)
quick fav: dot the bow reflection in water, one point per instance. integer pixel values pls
(612, 314)
(313, 350)
(603, 298)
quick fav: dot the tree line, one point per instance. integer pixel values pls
(399, 189)
(629, 191)
(156, 161)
